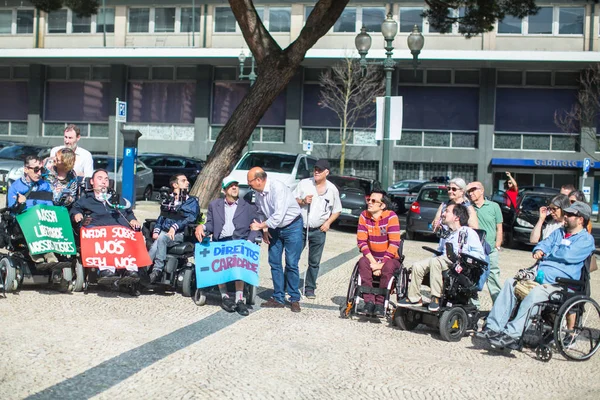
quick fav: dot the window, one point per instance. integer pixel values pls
(162, 102)
(24, 21)
(570, 20)
(224, 20)
(279, 19)
(409, 17)
(6, 21)
(105, 17)
(541, 23)
(510, 24)
(81, 24)
(139, 20)
(372, 17)
(347, 21)
(164, 20)
(57, 21)
(190, 22)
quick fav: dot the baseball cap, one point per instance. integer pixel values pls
(228, 181)
(322, 164)
(580, 209)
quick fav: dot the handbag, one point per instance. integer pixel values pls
(523, 287)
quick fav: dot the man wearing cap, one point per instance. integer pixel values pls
(489, 217)
(230, 219)
(281, 222)
(321, 205)
(560, 255)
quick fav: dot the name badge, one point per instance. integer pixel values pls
(565, 242)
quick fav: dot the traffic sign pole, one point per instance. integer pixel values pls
(116, 139)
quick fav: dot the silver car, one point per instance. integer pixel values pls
(144, 177)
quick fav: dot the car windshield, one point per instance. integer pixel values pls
(533, 202)
(106, 163)
(434, 195)
(351, 184)
(18, 152)
(402, 185)
(283, 163)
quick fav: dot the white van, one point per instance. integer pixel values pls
(288, 168)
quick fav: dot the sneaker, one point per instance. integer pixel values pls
(50, 258)
(228, 304)
(241, 308)
(369, 308)
(405, 302)
(379, 310)
(434, 305)
(272, 303)
(155, 275)
(504, 341)
(107, 273)
(310, 294)
(486, 334)
(569, 340)
(131, 274)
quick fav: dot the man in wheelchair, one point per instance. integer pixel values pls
(378, 238)
(28, 191)
(560, 255)
(462, 239)
(100, 207)
(177, 212)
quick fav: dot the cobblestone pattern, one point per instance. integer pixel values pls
(48, 338)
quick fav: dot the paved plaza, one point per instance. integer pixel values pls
(108, 345)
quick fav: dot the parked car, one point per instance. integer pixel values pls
(165, 166)
(11, 162)
(405, 192)
(353, 193)
(422, 211)
(143, 175)
(289, 168)
(518, 222)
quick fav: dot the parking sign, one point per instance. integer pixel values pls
(121, 111)
(586, 165)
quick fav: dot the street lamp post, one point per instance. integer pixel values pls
(415, 41)
(251, 77)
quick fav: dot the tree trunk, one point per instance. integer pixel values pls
(342, 156)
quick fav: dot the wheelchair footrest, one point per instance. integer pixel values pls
(53, 266)
(373, 290)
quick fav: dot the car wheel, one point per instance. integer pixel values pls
(148, 193)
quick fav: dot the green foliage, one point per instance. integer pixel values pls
(479, 16)
(83, 8)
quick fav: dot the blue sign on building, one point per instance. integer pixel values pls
(542, 162)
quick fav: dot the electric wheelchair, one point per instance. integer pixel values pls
(355, 304)
(67, 274)
(568, 322)
(461, 283)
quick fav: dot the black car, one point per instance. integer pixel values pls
(165, 166)
(518, 222)
(353, 193)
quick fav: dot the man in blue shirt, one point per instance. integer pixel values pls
(282, 226)
(561, 254)
(28, 191)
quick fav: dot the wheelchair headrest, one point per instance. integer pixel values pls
(481, 233)
(87, 184)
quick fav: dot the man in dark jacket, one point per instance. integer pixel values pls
(230, 219)
(177, 212)
(99, 211)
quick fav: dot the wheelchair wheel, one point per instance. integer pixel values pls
(79, 277)
(189, 282)
(453, 324)
(577, 328)
(251, 296)
(8, 273)
(543, 353)
(66, 283)
(199, 297)
(406, 319)
(347, 309)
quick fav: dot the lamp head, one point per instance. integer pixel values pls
(389, 28)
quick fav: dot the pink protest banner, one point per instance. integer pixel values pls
(113, 246)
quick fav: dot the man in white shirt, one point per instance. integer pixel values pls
(84, 164)
(281, 223)
(321, 205)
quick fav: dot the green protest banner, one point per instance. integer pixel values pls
(47, 229)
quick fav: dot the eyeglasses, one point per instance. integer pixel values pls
(252, 180)
(373, 201)
(553, 208)
(472, 190)
(569, 214)
(35, 169)
(453, 189)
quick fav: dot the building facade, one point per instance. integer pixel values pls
(474, 108)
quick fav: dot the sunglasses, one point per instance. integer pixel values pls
(473, 190)
(553, 208)
(572, 201)
(569, 214)
(453, 189)
(319, 170)
(373, 201)
(35, 169)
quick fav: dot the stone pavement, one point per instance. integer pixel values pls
(108, 345)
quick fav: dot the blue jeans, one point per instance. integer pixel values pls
(290, 240)
(498, 320)
(316, 244)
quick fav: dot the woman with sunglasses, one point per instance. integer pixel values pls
(555, 209)
(456, 195)
(577, 195)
